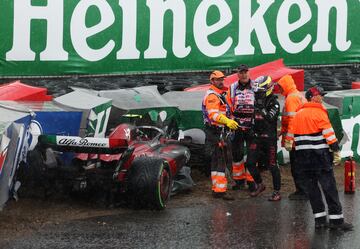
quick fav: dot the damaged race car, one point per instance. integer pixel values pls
(138, 162)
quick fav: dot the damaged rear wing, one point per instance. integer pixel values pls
(76, 144)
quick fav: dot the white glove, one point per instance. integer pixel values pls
(337, 158)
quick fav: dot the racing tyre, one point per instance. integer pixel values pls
(149, 183)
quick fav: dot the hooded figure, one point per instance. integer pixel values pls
(293, 101)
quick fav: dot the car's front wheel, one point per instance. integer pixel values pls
(149, 182)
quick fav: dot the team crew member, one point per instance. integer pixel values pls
(240, 98)
(215, 111)
(317, 149)
(293, 101)
(267, 110)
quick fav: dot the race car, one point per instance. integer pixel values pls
(139, 162)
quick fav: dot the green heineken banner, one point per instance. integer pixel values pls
(58, 37)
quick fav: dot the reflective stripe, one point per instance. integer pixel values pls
(294, 94)
(218, 112)
(336, 216)
(208, 115)
(239, 173)
(289, 114)
(220, 185)
(215, 116)
(318, 215)
(232, 91)
(311, 147)
(213, 177)
(331, 138)
(309, 138)
(327, 130)
(289, 135)
(219, 182)
(238, 170)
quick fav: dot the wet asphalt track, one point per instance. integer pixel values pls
(244, 223)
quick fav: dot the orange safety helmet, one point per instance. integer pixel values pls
(216, 75)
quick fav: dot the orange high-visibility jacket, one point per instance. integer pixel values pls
(213, 105)
(311, 129)
(293, 101)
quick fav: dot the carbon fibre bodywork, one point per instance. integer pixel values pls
(109, 162)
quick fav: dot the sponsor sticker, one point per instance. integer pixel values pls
(82, 142)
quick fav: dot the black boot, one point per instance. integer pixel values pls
(342, 226)
(321, 223)
(223, 195)
(260, 188)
